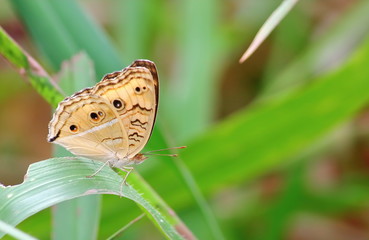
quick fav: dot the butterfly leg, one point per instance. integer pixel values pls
(128, 170)
(98, 170)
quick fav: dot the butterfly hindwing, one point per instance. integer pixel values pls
(87, 126)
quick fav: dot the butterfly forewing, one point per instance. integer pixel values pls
(133, 94)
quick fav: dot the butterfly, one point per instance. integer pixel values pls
(111, 121)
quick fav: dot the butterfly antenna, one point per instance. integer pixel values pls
(158, 154)
(163, 154)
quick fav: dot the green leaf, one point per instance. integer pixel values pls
(193, 86)
(269, 134)
(56, 180)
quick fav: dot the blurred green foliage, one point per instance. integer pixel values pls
(278, 145)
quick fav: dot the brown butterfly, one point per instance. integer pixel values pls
(112, 121)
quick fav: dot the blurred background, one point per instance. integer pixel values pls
(313, 187)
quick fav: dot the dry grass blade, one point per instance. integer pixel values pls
(268, 27)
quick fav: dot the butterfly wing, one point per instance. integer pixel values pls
(88, 126)
(133, 93)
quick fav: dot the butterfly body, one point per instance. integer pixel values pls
(112, 121)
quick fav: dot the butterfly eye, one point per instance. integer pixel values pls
(73, 128)
(118, 104)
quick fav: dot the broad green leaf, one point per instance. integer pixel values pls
(56, 180)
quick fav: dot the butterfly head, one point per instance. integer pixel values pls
(139, 158)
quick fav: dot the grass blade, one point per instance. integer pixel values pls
(28, 67)
(196, 69)
(12, 231)
(275, 18)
